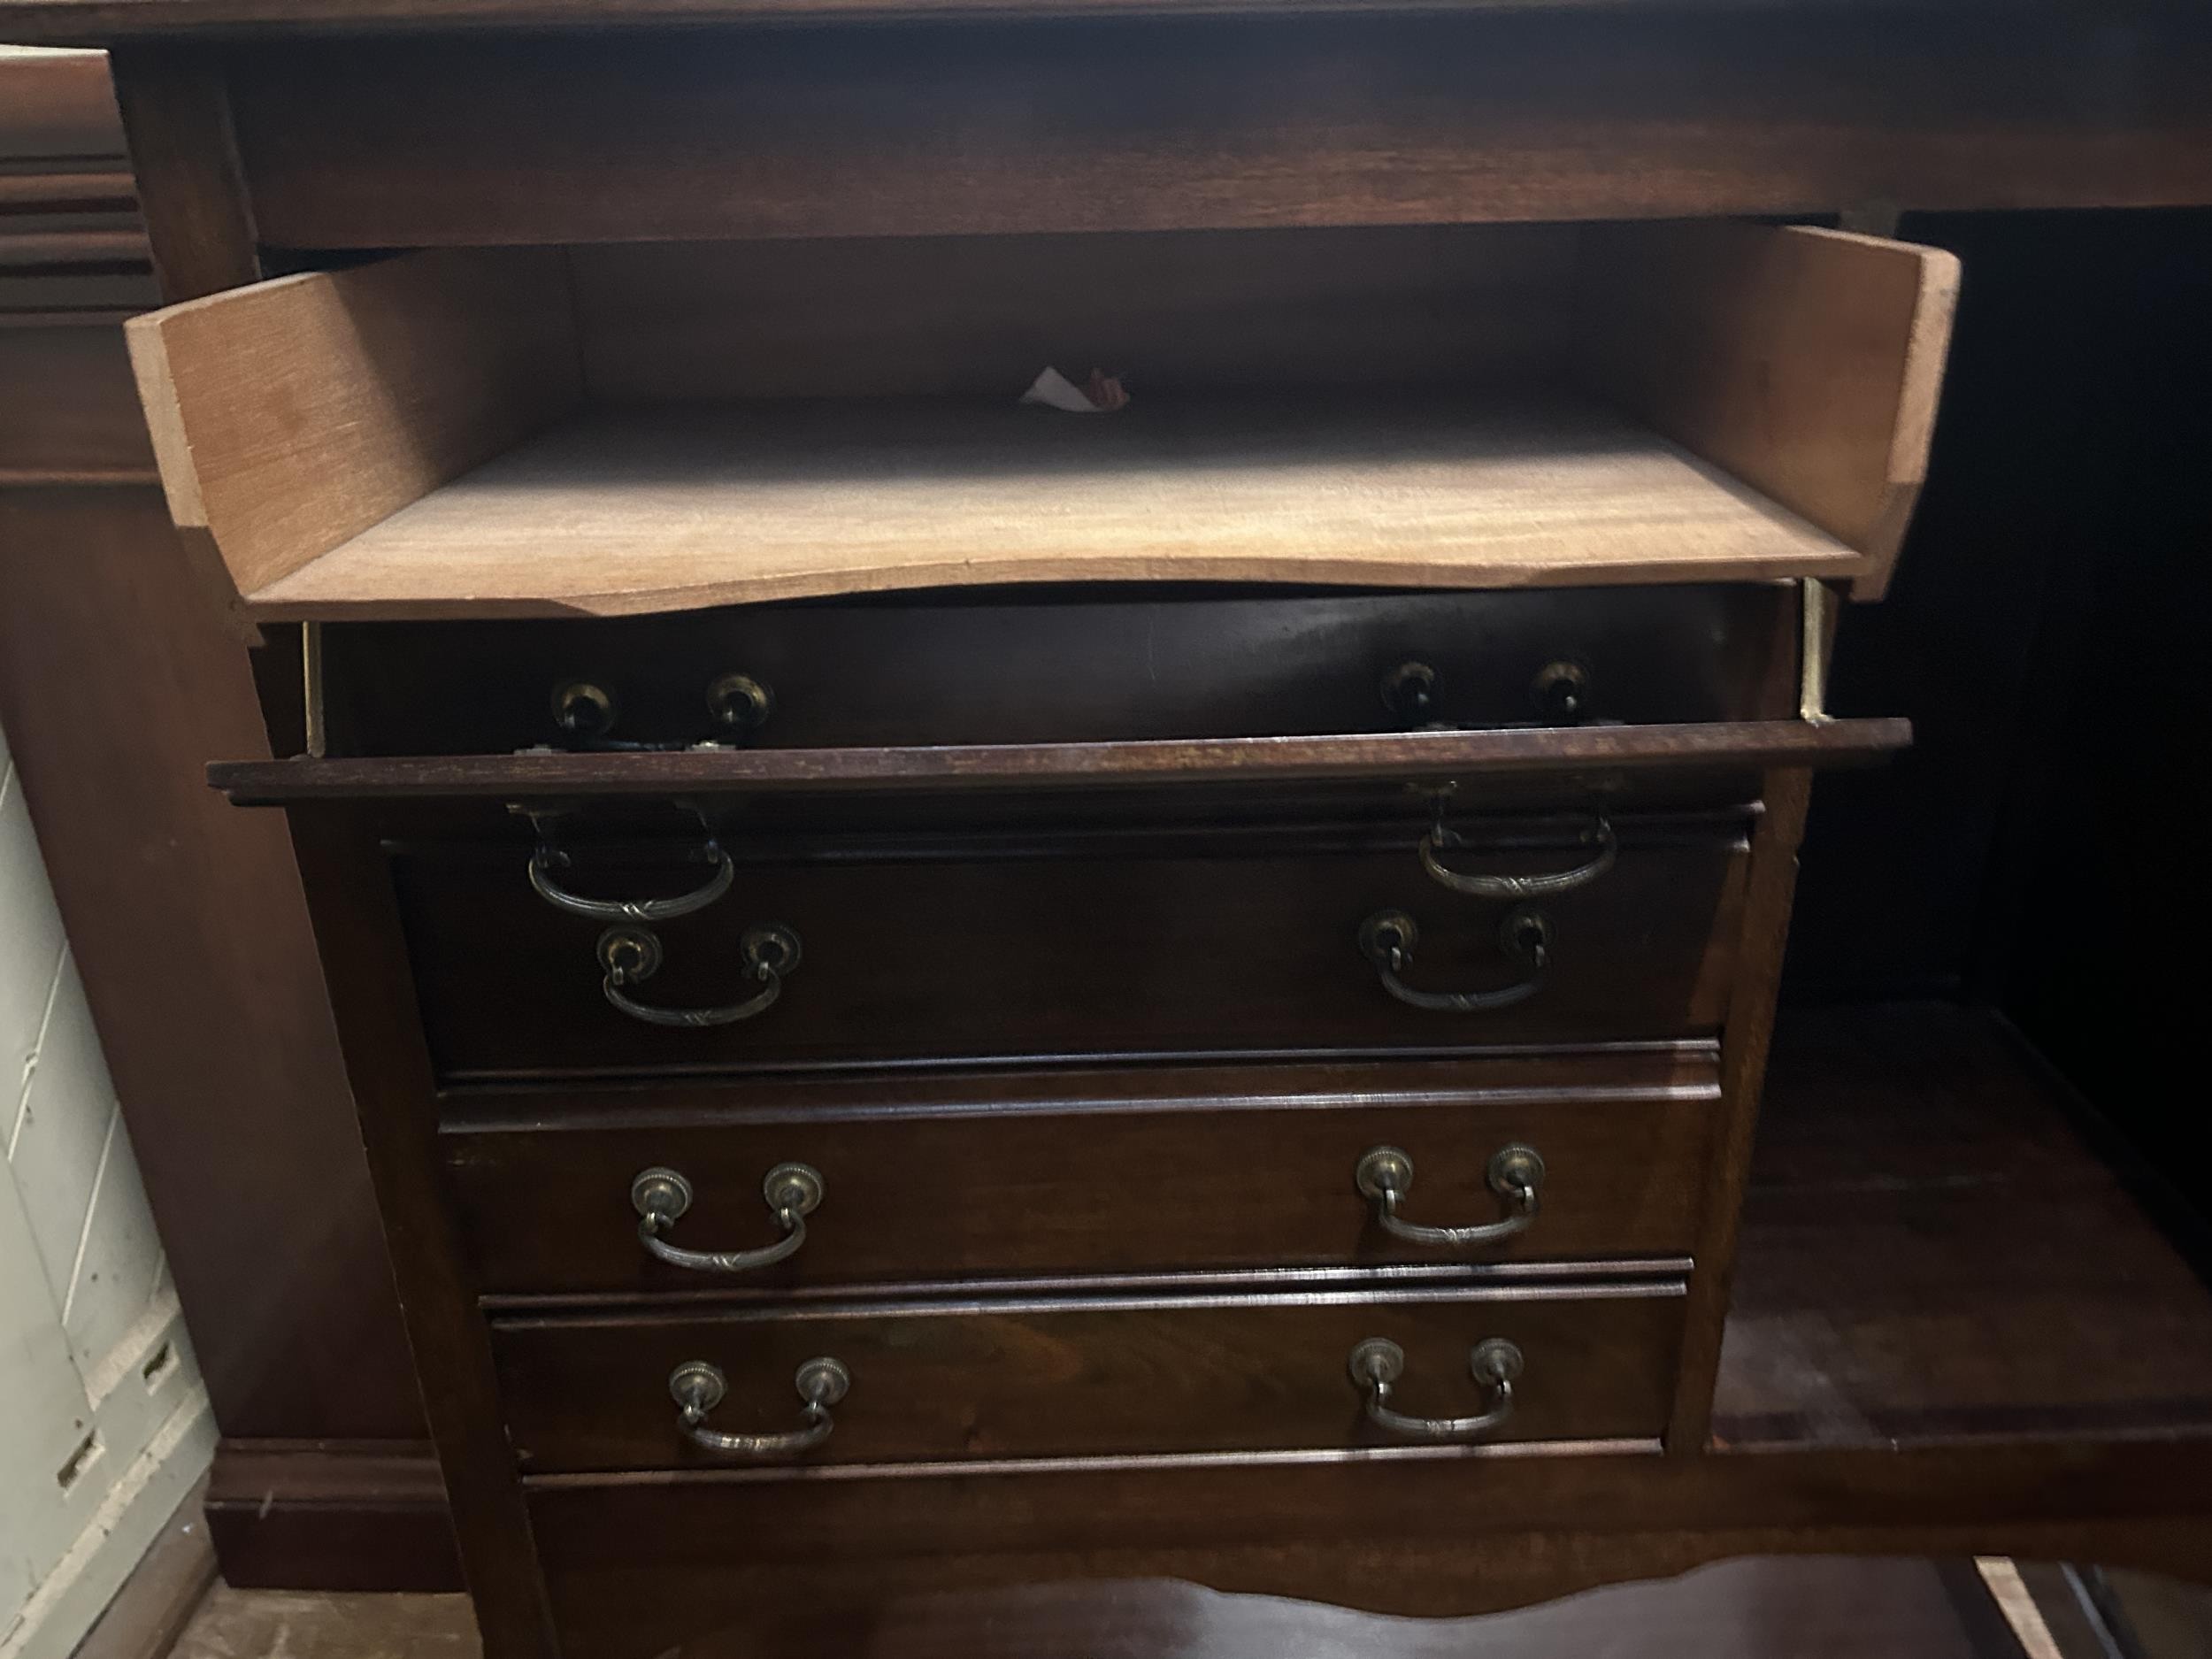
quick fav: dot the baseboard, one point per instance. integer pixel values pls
(331, 1515)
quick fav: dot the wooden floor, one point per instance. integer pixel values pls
(1760, 1608)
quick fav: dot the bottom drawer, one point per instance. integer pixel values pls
(1125, 1376)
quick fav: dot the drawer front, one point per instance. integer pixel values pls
(1114, 946)
(1094, 1173)
(993, 671)
(956, 1381)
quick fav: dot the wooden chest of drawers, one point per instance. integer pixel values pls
(942, 993)
(793, 1112)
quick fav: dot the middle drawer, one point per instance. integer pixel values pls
(960, 1177)
(1122, 946)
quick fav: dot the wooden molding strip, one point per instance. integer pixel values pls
(1720, 744)
(331, 1515)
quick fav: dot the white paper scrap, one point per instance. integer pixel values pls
(1055, 390)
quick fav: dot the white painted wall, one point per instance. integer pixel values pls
(104, 1421)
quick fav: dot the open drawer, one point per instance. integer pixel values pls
(605, 431)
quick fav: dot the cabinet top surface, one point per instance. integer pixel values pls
(101, 22)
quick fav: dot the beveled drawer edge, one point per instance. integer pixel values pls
(1122, 1464)
(510, 1108)
(1754, 744)
(1158, 1294)
(752, 1073)
(1610, 1277)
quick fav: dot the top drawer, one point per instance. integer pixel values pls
(1101, 665)
(478, 432)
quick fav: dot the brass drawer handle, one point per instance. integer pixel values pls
(546, 859)
(659, 1195)
(1384, 1176)
(1387, 938)
(631, 955)
(1378, 1362)
(1600, 834)
(698, 1387)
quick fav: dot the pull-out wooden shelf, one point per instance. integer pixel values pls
(416, 438)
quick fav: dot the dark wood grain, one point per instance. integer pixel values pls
(364, 964)
(1096, 1172)
(100, 21)
(1746, 1033)
(176, 110)
(1928, 1250)
(331, 1516)
(75, 418)
(1196, 123)
(642, 1565)
(1096, 1376)
(1092, 945)
(1718, 746)
(1912, 1172)
(1835, 1609)
(1079, 666)
(116, 686)
(55, 110)
(1410, 305)
(186, 923)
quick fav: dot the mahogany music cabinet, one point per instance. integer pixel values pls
(944, 993)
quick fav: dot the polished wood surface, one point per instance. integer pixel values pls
(304, 151)
(116, 688)
(1832, 1608)
(339, 1515)
(60, 109)
(99, 20)
(2000, 1280)
(198, 966)
(1569, 754)
(1091, 1172)
(1204, 124)
(1131, 946)
(1747, 1031)
(82, 424)
(364, 956)
(1824, 1609)
(1133, 1375)
(176, 110)
(1940, 1417)
(643, 1565)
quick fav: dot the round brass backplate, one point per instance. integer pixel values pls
(823, 1381)
(1377, 1360)
(797, 1187)
(661, 1194)
(1494, 1360)
(1382, 1170)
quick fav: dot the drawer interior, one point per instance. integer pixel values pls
(604, 431)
